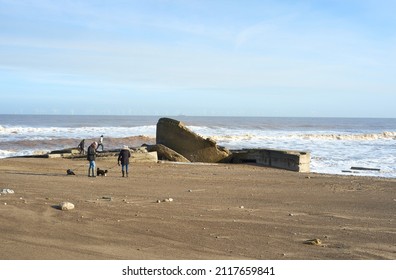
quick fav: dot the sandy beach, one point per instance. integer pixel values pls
(219, 211)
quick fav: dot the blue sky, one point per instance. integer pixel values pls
(324, 58)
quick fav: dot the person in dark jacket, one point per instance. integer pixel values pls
(123, 157)
(81, 146)
(91, 157)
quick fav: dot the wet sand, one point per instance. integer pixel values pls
(218, 212)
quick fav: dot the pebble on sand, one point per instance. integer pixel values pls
(315, 241)
(66, 206)
(165, 200)
(7, 191)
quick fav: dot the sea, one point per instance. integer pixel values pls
(336, 144)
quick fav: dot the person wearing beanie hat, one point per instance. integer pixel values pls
(123, 158)
(91, 157)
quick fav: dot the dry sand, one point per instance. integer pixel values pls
(218, 212)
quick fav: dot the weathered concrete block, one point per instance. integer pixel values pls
(176, 136)
(291, 160)
(165, 153)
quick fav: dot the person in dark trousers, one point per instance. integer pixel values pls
(91, 157)
(123, 157)
(81, 147)
(100, 143)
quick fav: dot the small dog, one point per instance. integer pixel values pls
(101, 172)
(70, 172)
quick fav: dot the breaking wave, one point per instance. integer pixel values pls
(14, 133)
(359, 137)
(310, 136)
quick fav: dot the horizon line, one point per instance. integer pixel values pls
(192, 116)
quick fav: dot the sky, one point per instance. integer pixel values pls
(276, 58)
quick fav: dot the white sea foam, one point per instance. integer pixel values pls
(7, 153)
(15, 133)
(354, 137)
(22, 152)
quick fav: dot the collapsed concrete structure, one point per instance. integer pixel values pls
(176, 136)
(179, 139)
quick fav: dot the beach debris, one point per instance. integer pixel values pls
(7, 191)
(316, 242)
(109, 198)
(242, 207)
(365, 168)
(66, 206)
(165, 200)
(349, 171)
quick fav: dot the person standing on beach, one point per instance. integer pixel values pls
(91, 157)
(100, 142)
(123, 157)
(81, 146)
